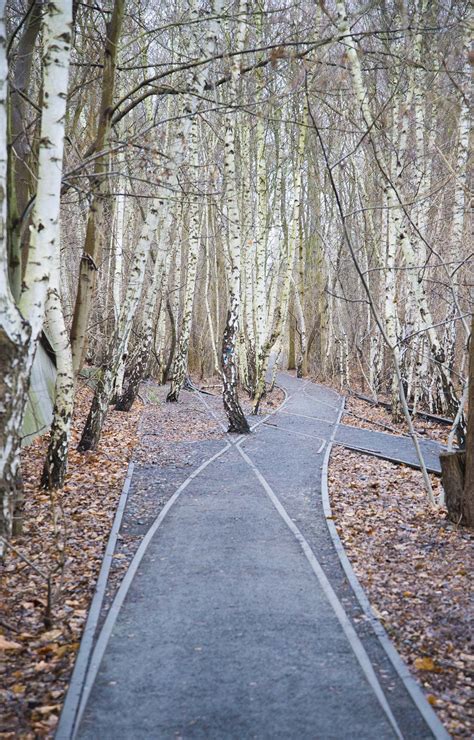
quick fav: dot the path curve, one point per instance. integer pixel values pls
(235, 619)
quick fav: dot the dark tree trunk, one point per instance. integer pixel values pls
(167, 370)
(458, 467)
(453, 467)
(13, 394)
(134, 377)
(237, 422)
(54, 468)
(468, 510)
(291, 343)
(99, 408)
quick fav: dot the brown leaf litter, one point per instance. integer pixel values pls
(64, 534)
(416, 568)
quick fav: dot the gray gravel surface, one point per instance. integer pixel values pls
(226, 631)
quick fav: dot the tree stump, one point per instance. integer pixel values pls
(453, 469)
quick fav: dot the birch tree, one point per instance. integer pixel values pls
(119, 343)
(23, 327)
(95, 231)
(281, 309)
(15, 334)
(237, 421)
(190, 127)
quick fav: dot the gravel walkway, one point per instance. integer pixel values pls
(235, 618)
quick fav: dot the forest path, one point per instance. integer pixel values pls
(236, 619)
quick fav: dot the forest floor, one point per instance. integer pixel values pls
(414, 564)
(64, 535)
(361, 414)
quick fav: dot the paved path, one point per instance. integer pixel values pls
(390, 446)
(236, 619)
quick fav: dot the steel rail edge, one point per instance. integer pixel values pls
(411, 685)
(81, 665)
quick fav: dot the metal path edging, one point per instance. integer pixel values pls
(339, 611)
(81, 665)
(125, 584)
(411, 685)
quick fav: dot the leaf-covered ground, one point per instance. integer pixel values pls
(64, 535)
(359, 413)
(416, 568)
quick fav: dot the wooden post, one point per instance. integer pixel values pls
(458, 467)
(468, 511)
(453, 474)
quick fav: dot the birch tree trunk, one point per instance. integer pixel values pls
(181, 358)
(190, 123)
(139, 367)
(261, 234)
(95, 222)
(119, 344)
(237, 422)
(356, 74)
(55, 464)
(15, 334)
(281, 310)
(19, 336)
(20, 180)
(461, 181)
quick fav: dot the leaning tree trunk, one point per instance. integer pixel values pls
(19, 336)
(137, 370)
(119, 343)
(55, 464)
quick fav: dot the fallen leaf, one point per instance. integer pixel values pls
(7, 645)
(425, 664)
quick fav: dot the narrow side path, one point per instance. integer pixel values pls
(237, 621)
(390, 446)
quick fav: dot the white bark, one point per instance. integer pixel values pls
(181, 359)
(14, 336)
(20, 337)
(190, 129)
(55, 465)
(237, 421)
(119, 345)
(356, 74)
(45, 218)
(281, 311)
